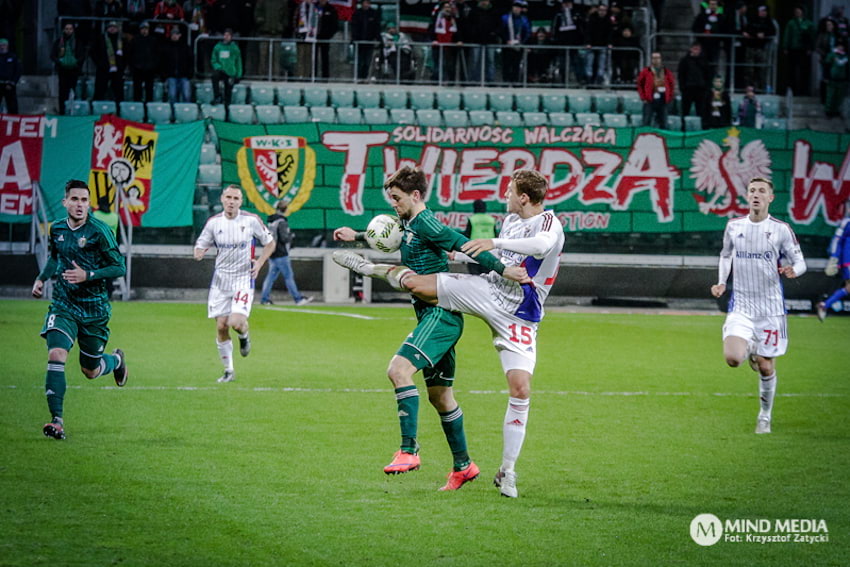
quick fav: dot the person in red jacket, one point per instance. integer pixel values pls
(655, 85)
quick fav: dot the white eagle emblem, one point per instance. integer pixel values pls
(723, 176)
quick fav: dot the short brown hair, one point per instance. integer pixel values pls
(75, 184)
(762, 180)
(408, 180)
(532, 183)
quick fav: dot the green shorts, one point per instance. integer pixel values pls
(430, 347)
(92, 334)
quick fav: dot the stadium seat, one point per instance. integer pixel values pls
(528, 102)
(561, 119)
(269, 114)
(158, 91)
(240, 94)
(421, 99)
(395, 99)
(185, 112)
(342, 97)
(262, 95)
(204, 93)
(159, 112)
(554, 102)
(323, 114)
(209, 175)
(130, 110)
(474, 100)
(288, 96)
(128, 90)
(403, 116)
(607, 103)
(535, 118)
(103, 107)
(376, 116)
(241, 114)
(315, 96)
(481, 117)
(615, 120)
(692, 123)
(583, 118)
(769, 106)
(674, 123)
(79, 108)
(580, 104)
(368, 99)
(296, 114)
(508, 118)
(429, 117)
(456, 118)
(448, 100)
(632, 104)
(349, 115)
(214, 111)
(208, 154)
(501, 102)
(775, 124)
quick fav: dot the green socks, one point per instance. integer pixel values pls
(452, 423)
(55, 386)
(407, 399)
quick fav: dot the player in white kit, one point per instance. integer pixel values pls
(531, 238)
(758, 249)
(232, 232)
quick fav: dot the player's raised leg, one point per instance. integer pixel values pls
(389, 273)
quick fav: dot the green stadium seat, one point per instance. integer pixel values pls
(607, 103)
(395, 99)
(78, 108)
(103, 107)
(240, 94)
(241, 114)
(262, 95)
(368, 99)
(615, 120)
(456, 118)
(421, 99)
(474, 100)
(448, 100)
(268, 114)
(580, 104)
(159, 112)
(632, 104)
(296, 114)
(554, 102)
(769, 106)
(131, 110)
(376, 116)
(158, 92)
(692, 123)
(481, 118)
(501, 102)
(429, 117)
(674, 123)
(323, 114)
(403, 116)
(288, 96)
(315, 96)
(535, 118)
(185, 112)
(342, 97)
(561, 119)
(349, 115)
(583, 118)
(508, 118)
(203, 93)
(208, 154)
(213, 111)
(528, 102)
(209, 175)
(128, 90)
(775, 124)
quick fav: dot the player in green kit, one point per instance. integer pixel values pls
(430, 347)
(83, 255)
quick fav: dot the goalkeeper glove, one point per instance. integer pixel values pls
(831, 267)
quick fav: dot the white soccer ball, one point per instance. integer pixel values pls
(384, 233)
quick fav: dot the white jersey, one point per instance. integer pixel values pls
(534, 243)
(234, 241)
(755, 251)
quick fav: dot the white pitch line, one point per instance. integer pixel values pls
(317, 312)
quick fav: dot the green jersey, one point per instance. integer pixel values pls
(93, 247)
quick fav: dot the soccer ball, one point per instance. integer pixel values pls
(384, 233)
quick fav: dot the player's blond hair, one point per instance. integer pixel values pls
(761, 180)
(531, 183)
(408, 180)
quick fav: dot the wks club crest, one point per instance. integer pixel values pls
(274, 168)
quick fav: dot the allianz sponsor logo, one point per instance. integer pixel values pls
(744, 255)
(708, 529)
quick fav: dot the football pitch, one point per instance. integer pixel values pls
(637, 426)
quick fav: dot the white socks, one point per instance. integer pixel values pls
(513, 431)
(225, 353)
(767, 389)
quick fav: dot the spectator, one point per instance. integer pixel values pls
(842, 27)
(693, 81)
(480, 224)
(227, 68)
(838, 74)
(177, 68)
(656, 86)
(328, 26)
(317, 22)
(167, 10)
(144, 62)
(365, 26)
(599, 41)
(824, 45)
(516, 30)
(271, 18)
(568, 31)
(625, 62)
(482, 28)
(108, 55)
(279, 262)
(10, 74)
(195, 13)
(760, 32)
(739, 24)
(749, 111)
(710, 22)
(718, 107)
(112, 9)
(539, 60)
(246, 17)
(395, 45)
(67, 55)
(798, 45)
(445, 36)
(137, 11)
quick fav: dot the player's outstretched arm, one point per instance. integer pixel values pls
(345, 234)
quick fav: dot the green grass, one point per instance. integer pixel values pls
(283, 466)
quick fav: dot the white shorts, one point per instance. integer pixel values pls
(222, 303)
(769, 334)
(515, 339)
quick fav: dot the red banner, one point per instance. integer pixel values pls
(21, 139)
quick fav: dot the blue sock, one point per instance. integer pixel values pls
(839, 294)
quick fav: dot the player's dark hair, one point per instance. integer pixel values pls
(408, 180)
(75, 184)
(762, 180)
(531, 183)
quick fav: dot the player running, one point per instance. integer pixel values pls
(839, 262)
